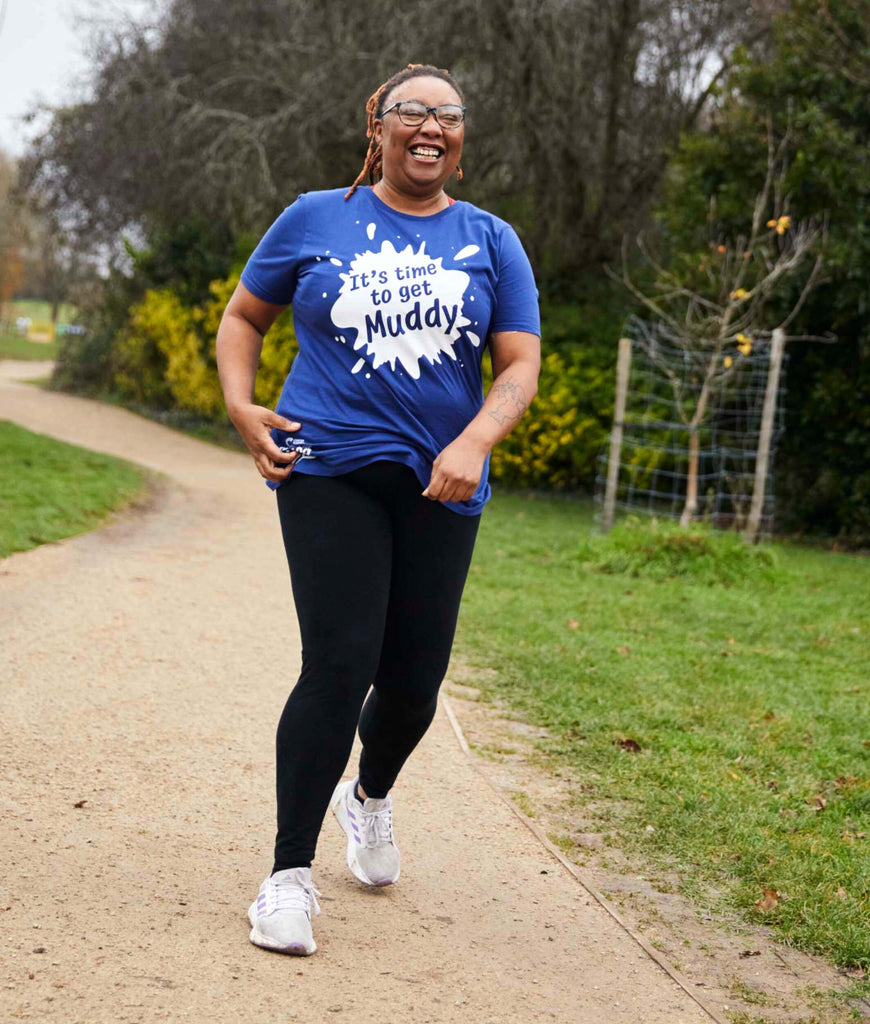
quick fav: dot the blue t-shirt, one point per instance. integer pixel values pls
(391, 313)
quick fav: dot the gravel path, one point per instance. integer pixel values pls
(143, 669)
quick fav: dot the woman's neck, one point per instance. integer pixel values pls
(420, 206)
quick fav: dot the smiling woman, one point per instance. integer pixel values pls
(379, 451)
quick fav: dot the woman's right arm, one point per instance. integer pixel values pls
(239, 342)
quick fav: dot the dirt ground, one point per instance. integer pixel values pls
(142, 672)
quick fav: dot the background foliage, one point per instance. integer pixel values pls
(588, 122)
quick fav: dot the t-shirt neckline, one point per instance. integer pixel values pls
(379, 204)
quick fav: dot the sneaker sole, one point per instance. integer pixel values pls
(337, 807)
(293, 949)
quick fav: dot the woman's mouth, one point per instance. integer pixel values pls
(427, 153)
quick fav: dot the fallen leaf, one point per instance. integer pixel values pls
(749, 952)
(769, 900)
(856, 972)
(628, 744)
(768, 715)
(80, 803)
(624, 649)
(573, 624)
(845, 781)
(734, 776)
(818, 803)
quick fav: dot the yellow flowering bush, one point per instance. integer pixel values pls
(166, 353)
(156, 323)
(556, 443)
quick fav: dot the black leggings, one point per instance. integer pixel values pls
(377, 573)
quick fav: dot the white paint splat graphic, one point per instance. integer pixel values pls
(335, 262)
(403, 305)
(469, 250)
(370, 231)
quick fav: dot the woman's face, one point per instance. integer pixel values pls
(419, 160)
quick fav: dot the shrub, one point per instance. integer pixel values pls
(663, 550)
(165, 355)
(556, 444)
(157, 325)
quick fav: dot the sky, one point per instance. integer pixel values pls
(42, 55)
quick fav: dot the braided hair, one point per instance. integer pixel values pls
(374, 110)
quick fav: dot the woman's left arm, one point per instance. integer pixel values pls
(516, 363)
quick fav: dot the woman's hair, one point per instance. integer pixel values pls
(375, 108)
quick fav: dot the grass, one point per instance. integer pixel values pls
(50, 490)
(13, 346)
(714, 693)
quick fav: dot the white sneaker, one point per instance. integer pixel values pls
(371, 853)
(281, 914)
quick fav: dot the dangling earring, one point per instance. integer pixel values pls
(458, 173)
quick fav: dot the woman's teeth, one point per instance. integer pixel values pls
(426, 151)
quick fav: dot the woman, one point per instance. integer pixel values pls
(378, 450)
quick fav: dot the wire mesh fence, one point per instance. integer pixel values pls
(664, 388)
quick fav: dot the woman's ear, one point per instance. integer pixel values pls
(378, 131)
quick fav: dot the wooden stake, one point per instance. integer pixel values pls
(777, 347)
(623, 365)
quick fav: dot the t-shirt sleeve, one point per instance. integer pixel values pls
(273, 268)
(516, 296)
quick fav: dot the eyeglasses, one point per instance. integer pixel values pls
(413, 113)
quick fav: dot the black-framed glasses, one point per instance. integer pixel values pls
(413, 113)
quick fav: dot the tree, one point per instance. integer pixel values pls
(713, 305)
(572, 105)
(11, 267)
(813, 79)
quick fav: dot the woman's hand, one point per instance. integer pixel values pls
(457, 471)
(254, 423)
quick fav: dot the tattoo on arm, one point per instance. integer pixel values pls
(511, 402)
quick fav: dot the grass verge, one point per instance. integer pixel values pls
(14, 347)
(50, 490)
(712, 698)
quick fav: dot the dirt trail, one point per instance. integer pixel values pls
(143, 669)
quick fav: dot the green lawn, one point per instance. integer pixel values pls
(719, 729)
(14, 347)
(50, 490)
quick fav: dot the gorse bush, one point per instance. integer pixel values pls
(663, 550)
(556, 444)
(165, 355)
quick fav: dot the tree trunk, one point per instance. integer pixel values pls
(691, 506)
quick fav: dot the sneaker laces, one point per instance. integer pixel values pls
(291, 895)
(378, 827)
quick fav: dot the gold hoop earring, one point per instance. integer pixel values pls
(459, 174)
